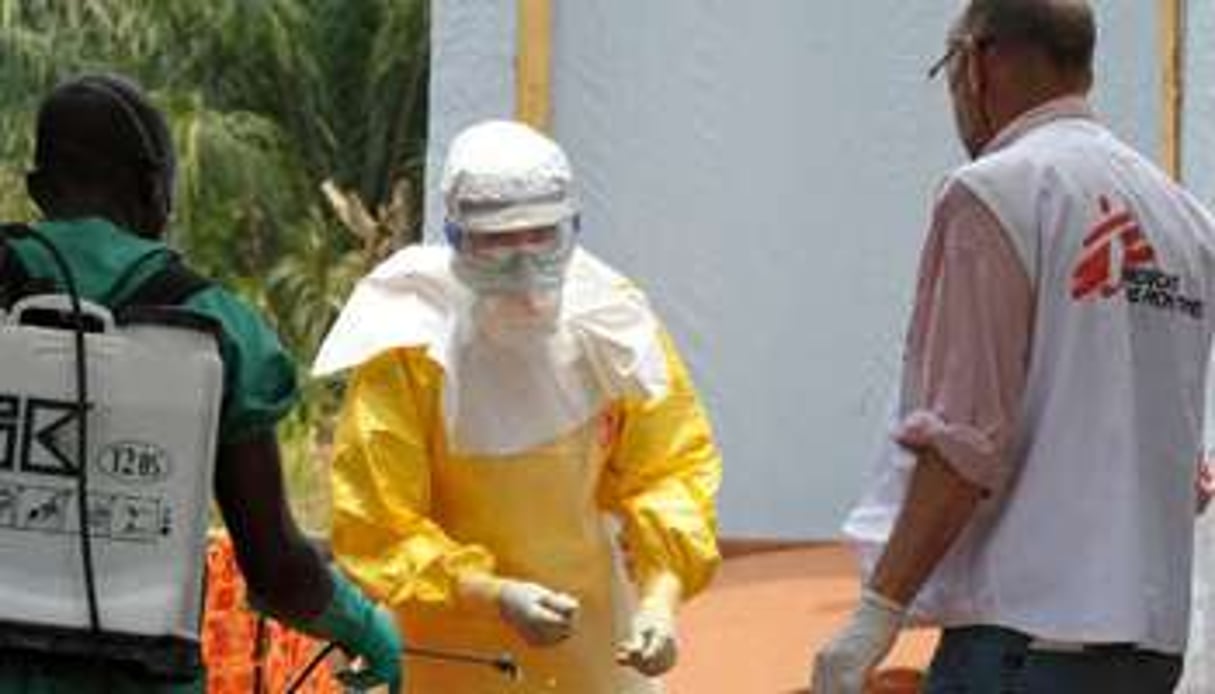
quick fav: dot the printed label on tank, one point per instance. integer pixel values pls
(52, 510)
(134, 462)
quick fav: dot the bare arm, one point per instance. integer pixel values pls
(939, 505)
(280, 566)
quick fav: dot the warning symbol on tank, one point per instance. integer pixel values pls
(44, 509)
(53, 510)
(135, 519)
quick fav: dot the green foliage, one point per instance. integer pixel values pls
(300, 127)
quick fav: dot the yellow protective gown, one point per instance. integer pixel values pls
(410, 518)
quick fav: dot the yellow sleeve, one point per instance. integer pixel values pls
(383, 447)
(662, 481)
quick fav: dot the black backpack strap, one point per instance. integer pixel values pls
(171, 285)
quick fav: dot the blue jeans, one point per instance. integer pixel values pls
(994, 660)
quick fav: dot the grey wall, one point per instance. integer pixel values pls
(471, 77)
(764, 169)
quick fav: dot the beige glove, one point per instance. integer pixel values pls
(843, 665)
(652, 646)
(542, 617)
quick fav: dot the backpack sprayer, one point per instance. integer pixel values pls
(135, 563)
(107, 445)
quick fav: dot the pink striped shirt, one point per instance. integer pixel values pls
(968, 344)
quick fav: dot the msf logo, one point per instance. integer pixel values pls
(1113, 247)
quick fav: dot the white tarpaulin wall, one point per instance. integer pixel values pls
(764, 169)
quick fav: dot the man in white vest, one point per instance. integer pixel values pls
(1038, 499)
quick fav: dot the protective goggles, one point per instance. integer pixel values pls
(512, 261)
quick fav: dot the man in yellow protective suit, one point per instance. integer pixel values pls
(522, 463)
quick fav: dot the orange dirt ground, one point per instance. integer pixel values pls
(754, 630)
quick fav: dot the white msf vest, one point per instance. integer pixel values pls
(154, 401)
(1091, 541)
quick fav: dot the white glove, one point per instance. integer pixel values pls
(843, 665)
(651, 648)
(541, 616)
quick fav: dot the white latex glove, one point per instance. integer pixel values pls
(843, 665)
(541, 616)
(651, 647)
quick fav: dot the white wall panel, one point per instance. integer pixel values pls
(764, 169)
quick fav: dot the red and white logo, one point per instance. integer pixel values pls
(1117, 260)
(1114, 245)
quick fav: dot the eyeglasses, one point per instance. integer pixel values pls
(955, 45)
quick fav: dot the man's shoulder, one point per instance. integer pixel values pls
(232, 311)
(170, 281)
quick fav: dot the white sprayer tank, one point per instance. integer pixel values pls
(154, 394)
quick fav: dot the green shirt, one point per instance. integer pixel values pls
(108, 264)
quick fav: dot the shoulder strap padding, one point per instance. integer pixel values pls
(172, 285)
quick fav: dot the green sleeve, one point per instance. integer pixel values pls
(259, 376)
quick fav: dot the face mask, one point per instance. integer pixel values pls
(517, 315)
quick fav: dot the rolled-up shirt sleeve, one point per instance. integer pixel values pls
(967, 345)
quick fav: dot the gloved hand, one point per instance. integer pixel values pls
(651, 649)
(354, 622)
(843, 665)
(652, 646)
(541, 616)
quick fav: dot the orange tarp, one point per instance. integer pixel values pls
(245, 653)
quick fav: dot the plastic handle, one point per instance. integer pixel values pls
(61, 303)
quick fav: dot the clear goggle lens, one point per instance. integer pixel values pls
(511, 261)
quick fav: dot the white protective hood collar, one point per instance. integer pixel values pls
(607, 346)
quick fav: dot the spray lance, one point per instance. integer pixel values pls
(503, 663)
